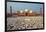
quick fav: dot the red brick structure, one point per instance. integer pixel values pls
(26, 14)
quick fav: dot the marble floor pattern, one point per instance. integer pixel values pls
(18, 23)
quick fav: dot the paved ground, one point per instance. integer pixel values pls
(32, 22)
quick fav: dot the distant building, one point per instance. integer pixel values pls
(41, 12)
(25, 13)
(11, 10)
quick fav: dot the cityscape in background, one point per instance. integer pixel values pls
(18, 9)
(26, 12)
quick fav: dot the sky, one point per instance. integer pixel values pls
(22, 6)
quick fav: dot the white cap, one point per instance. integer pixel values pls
(26, 10)
(21, 11)
(30, 11)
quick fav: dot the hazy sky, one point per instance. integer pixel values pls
(21, 6)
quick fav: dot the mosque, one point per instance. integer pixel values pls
(26, 12)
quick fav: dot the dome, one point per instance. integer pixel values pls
(30, 11)
(21, 11)
(26, 10)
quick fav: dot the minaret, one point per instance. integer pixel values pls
(41, 11)
(11, 10)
